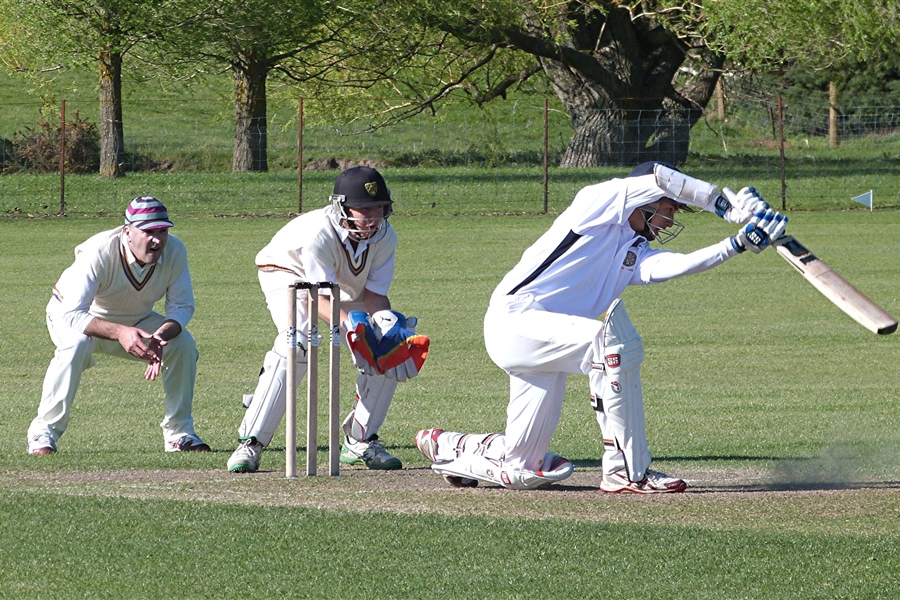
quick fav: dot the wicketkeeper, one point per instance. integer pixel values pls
(351, 243)
(543, 324)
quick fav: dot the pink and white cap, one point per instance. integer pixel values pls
(146, 212)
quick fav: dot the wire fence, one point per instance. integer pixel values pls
(500, 159)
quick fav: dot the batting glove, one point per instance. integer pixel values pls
(740, 207)
(758, 234)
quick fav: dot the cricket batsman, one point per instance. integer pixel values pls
(351, 243)
(544, 322)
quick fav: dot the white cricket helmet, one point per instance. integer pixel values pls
(360, 187)
(670, 232)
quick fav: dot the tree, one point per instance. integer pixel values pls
(42, 34)
(636, 75)
(761, 34)
(250, 39)
(633, 76)
(814, 50)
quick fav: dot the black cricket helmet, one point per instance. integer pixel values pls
(360, 187)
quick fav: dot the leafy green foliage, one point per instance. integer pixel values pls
(816, 34)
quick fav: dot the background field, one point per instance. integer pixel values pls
(780, 412)
(467, 160)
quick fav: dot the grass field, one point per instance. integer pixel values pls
(779, 411)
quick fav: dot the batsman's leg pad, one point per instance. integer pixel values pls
(617, 395)
(491, 470)
(373, 399)
(267, 408)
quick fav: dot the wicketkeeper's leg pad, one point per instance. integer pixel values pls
(268, 404)
(617, 396)
(373, 399)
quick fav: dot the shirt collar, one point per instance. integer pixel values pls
(361, 245)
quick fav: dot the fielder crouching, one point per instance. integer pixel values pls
(104, 303)
(543, 324)
(349, 242)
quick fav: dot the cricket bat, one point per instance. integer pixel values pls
(834, 287)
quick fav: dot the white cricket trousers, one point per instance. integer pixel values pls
(538, 349)
(75, 353)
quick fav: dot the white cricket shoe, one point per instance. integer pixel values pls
(41, 444)
(246, 458)
(187, 443)
(654, 482)
(426, 442)
(371, 454)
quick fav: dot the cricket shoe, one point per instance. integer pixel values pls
(187, 443)
(427, 444)
(371, 454)
(41, 444)
(460, 482)
(653, 482)
(246, 458)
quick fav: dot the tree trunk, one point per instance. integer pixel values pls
(614, 132)
(832, 115)
(633, 90)
(112, 131)
(250, 135)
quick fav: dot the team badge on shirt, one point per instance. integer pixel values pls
(630, 259)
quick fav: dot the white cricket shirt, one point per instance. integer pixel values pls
(591, 254)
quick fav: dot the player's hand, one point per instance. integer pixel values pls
(363, 342)
(401, 351)
(740, 207)
(136, 342)
(152, 371)
(155, 347)
(758, 234)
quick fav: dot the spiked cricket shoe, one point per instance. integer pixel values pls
(246, 458)
(654, 482)
(371, 454)
(187, 443)
(41, 444)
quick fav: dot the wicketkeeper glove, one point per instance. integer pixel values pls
(740, 207)
(401, 351)
(758, 234)
(386, 344)
(362, 341)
